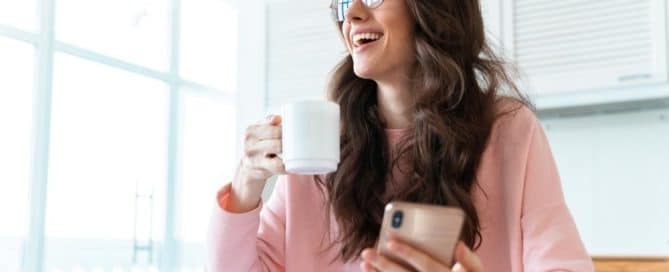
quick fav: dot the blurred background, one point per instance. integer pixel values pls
(119, 120)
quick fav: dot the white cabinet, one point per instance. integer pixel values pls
(588, 51)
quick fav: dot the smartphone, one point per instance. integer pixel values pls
(432, 229)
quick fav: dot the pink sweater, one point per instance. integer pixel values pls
(525, 223)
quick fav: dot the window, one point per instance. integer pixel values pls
(15, 126)
(207, 135)
(140, 99)
(205, 164)
(207, 57)
(108, 143)
(20, 14)
(131, 30)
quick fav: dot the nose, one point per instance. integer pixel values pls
(357, 12)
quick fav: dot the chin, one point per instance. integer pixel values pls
(364, 72)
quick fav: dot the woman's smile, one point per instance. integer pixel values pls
(363, 40)
(365, 37)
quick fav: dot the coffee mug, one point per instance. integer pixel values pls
(310, 137)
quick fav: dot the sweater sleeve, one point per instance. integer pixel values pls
(251, 241)
(550, 239)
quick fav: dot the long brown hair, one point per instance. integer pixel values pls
(458, 82)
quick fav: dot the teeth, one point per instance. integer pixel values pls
(357, 38)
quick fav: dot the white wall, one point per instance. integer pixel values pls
(251, 84)
(615, 175)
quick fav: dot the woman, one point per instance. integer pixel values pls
(423, 120)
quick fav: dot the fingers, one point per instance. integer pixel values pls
(272, 165)
(371, 259)
(366, 267)
(263, 132)
(467, 260)
(260, 168)
(261, 145)
(264, 147)
(417, 259)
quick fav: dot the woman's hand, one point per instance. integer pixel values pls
(467, 261)
(262, 143)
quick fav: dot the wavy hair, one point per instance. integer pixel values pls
(458, 82)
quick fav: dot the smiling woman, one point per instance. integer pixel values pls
(429, 114)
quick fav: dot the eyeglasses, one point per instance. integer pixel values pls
(340, 7)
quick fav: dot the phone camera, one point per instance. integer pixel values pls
(397, 219)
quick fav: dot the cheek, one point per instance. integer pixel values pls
(408, 43)
(345, 38)
(402, 46)
(409, 47)
(401, 38)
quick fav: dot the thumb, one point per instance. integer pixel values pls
(467, 260)
(458, 268)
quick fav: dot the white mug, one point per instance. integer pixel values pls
(310, 137)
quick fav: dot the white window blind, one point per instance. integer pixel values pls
(577, 45)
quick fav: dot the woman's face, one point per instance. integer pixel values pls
(380, 40)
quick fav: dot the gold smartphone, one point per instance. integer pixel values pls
(432, 229)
